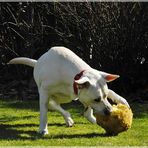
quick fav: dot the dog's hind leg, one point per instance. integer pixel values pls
(43, 96)
(67, 117)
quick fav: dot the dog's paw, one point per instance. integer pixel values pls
(69, 122)
(44, 132)
(123, 101)
(91, 119)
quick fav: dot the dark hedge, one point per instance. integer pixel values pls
(111, 37)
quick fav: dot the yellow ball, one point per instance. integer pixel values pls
(120, 119)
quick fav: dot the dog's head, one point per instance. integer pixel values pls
(93, 90)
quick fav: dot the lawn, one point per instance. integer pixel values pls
(19, 122)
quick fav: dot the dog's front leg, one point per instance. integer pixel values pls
(116, 98)
(43, 96)
(88, 114)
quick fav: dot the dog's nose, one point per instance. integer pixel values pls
(107, 111)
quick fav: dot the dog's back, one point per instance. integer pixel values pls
(58, 64)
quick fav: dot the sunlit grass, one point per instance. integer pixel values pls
(19, 122)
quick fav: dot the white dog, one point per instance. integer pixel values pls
(61, 73)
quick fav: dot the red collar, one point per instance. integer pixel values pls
(75, 86)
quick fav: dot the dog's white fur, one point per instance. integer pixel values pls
(54, 74)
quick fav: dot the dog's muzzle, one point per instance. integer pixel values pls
(107, 111)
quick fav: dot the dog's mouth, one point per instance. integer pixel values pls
(106, 111)
(103, 113)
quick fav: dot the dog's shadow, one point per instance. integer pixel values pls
(13, 132)
(67, 136)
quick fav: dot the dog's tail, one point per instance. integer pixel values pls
(23, 60)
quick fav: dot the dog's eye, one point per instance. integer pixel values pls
(98, 99)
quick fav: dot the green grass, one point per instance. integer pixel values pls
(19, 122)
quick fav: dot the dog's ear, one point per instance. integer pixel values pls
(109, 77)
(83, 82)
